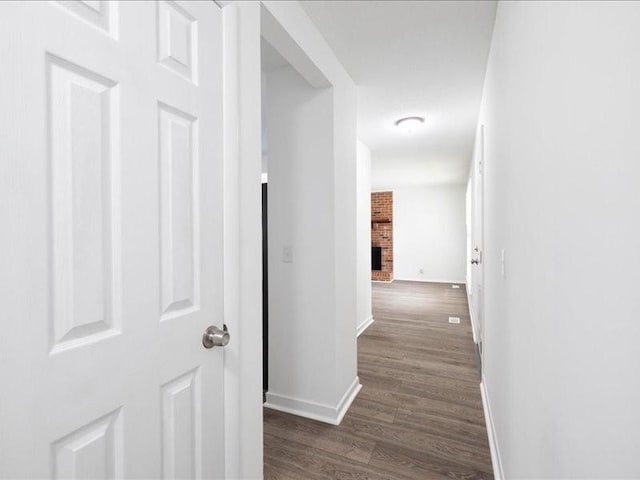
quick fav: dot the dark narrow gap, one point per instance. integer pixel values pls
(265, 297)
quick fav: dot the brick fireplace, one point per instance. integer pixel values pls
(382, 233)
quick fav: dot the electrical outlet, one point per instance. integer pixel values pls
(287, 254)
(455, 320)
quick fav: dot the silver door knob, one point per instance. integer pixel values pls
(214, 337)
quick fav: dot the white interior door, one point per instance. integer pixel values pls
(477, 252)
(111, 215)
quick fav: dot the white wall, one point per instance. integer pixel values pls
(311, 129)
(301, 300)
(562, 170)
(365, 315)
(429, 233)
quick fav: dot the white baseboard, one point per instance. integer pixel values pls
(496, 461)
(428, 280)
(363, 326)
(348, 398)
(315, 411)
(383, 281)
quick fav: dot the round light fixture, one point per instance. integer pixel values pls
(410, 124)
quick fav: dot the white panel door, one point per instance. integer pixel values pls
(111, 217)
(477, 240)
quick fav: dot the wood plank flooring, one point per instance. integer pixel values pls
(419, 414)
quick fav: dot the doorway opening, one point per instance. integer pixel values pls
(297, 130)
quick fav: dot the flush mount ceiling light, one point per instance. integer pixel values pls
(410, 124)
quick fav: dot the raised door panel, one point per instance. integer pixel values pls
(102, 14)
(85, 217)
(181, 427)
(177, 41)
(93, 451)
(179, 244)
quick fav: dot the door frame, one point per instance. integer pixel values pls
(244, 22)
(479, 197)
(242, 239)
(475, 222)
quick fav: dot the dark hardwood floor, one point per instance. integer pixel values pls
(419, 414)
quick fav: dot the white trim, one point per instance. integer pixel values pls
(348, 398)
(364, 325)
(427, 280)
(383, 281)
(243, 423)
(315, 411)
(473, 323)
(496, 461)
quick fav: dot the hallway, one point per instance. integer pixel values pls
(419, 414)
